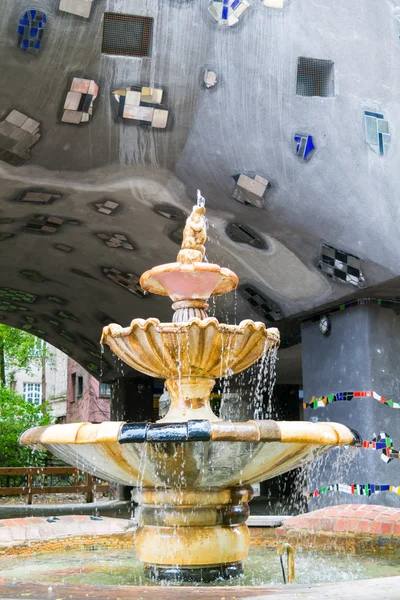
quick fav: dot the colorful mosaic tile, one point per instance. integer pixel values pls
(304, 146)
(17, 295)
(142, 104)
(18, 133)
(383, 442)
(129, 281)
(393, 304)
(31, 29)
(341, 266)
(377, 132)
(323, 401)
(356, 489)
(78, 105)
(227, 12)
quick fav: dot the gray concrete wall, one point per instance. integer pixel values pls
(360, 354)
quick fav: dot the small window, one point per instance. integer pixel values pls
(315, 77)
(79, 386)
(33, 392)
(105, 390)
(126, 35)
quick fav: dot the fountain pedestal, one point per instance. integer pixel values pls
(193, 534)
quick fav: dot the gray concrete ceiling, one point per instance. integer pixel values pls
(346, 196)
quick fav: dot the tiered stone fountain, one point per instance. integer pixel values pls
(192, 471)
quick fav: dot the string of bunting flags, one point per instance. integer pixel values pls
(322, 401)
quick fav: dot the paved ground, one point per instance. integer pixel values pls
(347, 527)
(388, 588)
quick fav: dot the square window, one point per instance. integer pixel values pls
(105, 390)
(315, 77)
(126, 35)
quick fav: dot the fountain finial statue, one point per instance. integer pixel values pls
(194, 235)
(193, 480)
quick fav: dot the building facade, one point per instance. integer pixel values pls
(87, 398)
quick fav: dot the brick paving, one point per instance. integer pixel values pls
(347, 526)
(27, 530)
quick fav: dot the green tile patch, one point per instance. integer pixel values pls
(6, 221)
(8, 306)
(66, 335)
(54, 322)
(93, 368)
(63, 314)
(5, 235)
(29, 327)
(56, 299)
(66, 351)
(355, 489)
(33, 275)
(17, 295)
(322, 401)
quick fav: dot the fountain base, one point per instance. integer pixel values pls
(193, 535)
(200, 574)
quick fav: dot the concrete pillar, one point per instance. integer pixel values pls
(361, 353)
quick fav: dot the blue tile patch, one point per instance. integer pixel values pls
(31, 29)
(304, 146)
(377, 131)
(227, 12)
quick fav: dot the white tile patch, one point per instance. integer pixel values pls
(81, 8)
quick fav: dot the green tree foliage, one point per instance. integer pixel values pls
(18, 350)
(17, 415)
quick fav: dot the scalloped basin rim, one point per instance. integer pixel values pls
(116, 330)
(161, 280)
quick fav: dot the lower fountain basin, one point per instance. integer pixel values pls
(118, 566)
(236, 453)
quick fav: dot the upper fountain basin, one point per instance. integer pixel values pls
(196, 348)
(196, 281)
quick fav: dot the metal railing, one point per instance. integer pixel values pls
(34, 480)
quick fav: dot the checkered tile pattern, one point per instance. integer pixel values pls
(260, 304)
(341, 266)
(78, 105)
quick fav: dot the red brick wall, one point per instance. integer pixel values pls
(89, 406)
